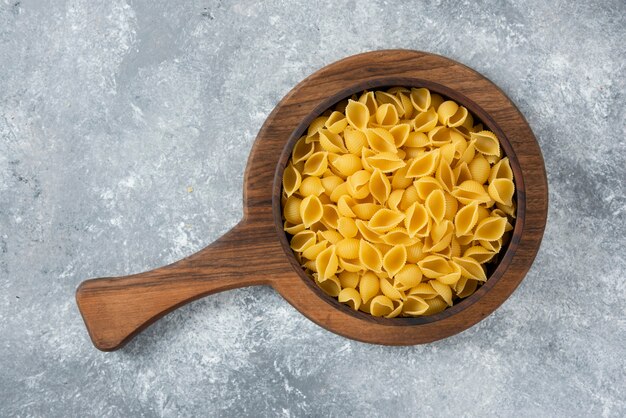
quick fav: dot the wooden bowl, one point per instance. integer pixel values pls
(256, 251)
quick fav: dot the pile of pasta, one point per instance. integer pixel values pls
(395, 202)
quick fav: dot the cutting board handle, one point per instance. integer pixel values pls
(117, 309)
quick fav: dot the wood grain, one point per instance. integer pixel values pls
(256, 250)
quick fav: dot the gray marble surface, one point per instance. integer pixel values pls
(110, 111)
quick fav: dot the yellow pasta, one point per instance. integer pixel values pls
(397, 202)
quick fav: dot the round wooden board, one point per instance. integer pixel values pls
(256, 250)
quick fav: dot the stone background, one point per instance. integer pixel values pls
(110, 110)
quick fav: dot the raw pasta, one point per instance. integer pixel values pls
(396, 202)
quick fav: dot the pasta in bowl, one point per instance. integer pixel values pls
(398, 202)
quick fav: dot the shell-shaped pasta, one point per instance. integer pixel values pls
(303, 240)
(348, 248)
(365, 154)
(350, 297)
(494, 246)
(406, 104)
(435, 101)
(490, 229)
(332, 142)
(366, 232)
(447, 153)
(354, 140)
(414, 306)
(347, 227)
(483, 213)
(385, 220)
(370, 256)
(291, 180)
(338, 191)
(358, 184)
(292, 229)
(436, 205)
(365, 211)
(451, 278)
(331, 216)
(409, 276)
(291, 210)
(434, 266)
(479, 168)
(400, 180)
(417, 140)
(369, 286)
(424, 165)
(389, 290)
(468, 155)
(313, 251)
(397, 308)
(394, 199)
(330, 285)
(349, 279)
(486, 143)
(455, 248)
(468, 289)
(458, 118)
(384, 98)
(445, 176)
(414, 253)
(470, 268)
(440, 237)
(387, 115)
(452, 206)
(446, 110)
(311, 210)
(316, 164)
(330, 183)
(311, 186)
(315, 126)
(381, 305)
(442, 290)
(301, 151)
(420, 99)
(336, 122)
(435, 305)
(409, 197)
(344, 206)
(509, 210)
(379, 186)
(501, 190)
(416, 220)
(369, 100)
(425, 186)
(353, 265)
(399, 236)
(440, 136)
(465, 219)
(479, 253)
(462, 173)
(347, 164)
(394, 260)
(386, 162)
(425, 121)
(501, 170)
(357, 115)
(329, 235)
(423, 290)
(400, 134)
(327, 263)
(380, 140)
(470, 191)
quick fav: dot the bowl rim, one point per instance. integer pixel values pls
(383, 82)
